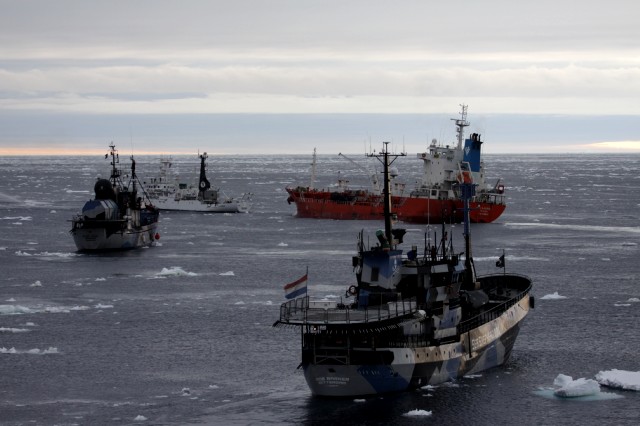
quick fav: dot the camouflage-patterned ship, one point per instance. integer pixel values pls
(119, 217)
(411, 319)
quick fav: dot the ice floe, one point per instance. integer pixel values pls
(101, 306)
(553, 296)
(14, 351)
(13, 330)
(620, 379)
(46, 254)
(175, 271)
(418, 413)
(569, 388)
(19, 309)
(140, 418)
(581, 389)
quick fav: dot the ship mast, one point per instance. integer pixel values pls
(461, 123)
(468, 191)
(313, 170)
(115, 159)
(384, 158)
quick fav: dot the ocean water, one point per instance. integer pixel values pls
(181, 333)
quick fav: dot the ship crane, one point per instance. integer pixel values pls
(375, 183)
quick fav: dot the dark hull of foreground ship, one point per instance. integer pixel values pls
(105, 237)
(348, 362)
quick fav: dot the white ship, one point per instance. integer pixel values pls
(168, 193)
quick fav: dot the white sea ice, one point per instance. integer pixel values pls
(50, 350)
(553, 296)
(13, 330)
(620, 379)
(101, 306)
(418, 413)
(569, 388)
(175, 271)
(14, 310)
(140, 418)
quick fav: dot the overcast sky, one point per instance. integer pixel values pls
(542, 76)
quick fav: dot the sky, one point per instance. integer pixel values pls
(285, 76)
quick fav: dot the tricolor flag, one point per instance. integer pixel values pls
(296, 288)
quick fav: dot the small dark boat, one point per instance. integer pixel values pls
(119, 217)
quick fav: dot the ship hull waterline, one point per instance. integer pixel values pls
(98, 239)
(407, 209)
(479, 349)
(198, 206)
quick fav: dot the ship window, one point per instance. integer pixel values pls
(374, 274)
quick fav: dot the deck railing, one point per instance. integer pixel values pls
(298, 312)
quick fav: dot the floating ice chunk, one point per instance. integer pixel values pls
(50, 350)
(14, 310)
(570, 388)
(620, 379)
(553, 296)
(37, 283)
(13, 330)
(418, 413)
(101, 306)
(140, 418)
(562, 380)
(175, 271)
(227, 274)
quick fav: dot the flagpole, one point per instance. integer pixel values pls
(504, 264)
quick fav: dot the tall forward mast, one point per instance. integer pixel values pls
(384, 158)
(461, 123)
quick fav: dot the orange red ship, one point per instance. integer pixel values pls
(436, 199)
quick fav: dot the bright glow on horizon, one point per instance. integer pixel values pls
(625, 146)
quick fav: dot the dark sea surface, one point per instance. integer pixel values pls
(181, 333)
